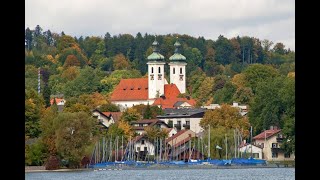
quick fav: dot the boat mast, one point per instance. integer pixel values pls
(209, 143)
(226, 147)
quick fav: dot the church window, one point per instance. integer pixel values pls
(180, 70)
(174, 70)
(159, 70)
(151, 69)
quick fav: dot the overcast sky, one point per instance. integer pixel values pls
(265, 19)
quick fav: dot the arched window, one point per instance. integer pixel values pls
(180, 70)
(174, 70)
(159, 70)
(151, 69)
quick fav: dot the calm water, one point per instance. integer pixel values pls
(203, 174)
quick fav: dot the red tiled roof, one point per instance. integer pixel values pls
(267, 134)
(171, 92)
(176, 135)
(176, 144)
(115, 115)
(57, 100)
(131, 89)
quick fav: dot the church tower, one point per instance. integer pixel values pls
(178, 69)
(155, 72)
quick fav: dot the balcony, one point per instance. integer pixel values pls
(279, 139)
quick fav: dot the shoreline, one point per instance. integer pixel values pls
(116, 168)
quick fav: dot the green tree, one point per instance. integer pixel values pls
(130, 114)
(225, 95)
(109, 107)
(73, 132)
(256, 73)
(147, 113)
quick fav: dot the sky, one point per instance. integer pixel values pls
(264, 19)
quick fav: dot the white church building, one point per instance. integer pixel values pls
(155, 89)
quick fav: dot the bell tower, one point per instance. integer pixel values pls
(178, 69)
(155, 72)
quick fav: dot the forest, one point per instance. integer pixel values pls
(85, 70)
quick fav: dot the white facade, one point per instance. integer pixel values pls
(172, 132)
(103, 119)
(256, 151)
(144, 144)
(123, 105)
(194, 123)
(155, 79)
(271, 143)
(178, 75)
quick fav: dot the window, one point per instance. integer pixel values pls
(179, 122)
(187, 122)
(255, 155)
(145, 149)
(159, 70)
(138, 149)
(274, 155)
(180, 70)
(174, 70)
(142, 141)
(286, 155)
(152, 70)
(274, 145)
(262, 145)
(140, 125)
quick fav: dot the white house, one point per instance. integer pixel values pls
(246, 150)
(183, 118)
(106, 118)
(143, 146)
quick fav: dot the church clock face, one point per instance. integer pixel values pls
(181, 78)
(159, 76)
(152, 76)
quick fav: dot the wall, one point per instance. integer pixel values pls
(149, 145)
(127, 104)
(194, 123)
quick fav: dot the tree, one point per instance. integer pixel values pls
(109, 107)
(87, 82)
(225, 95)
(71, 60)
(130, 115)
(226, 116)
(205, 90)
(279, 48)
(147, 113)
(28, 38)
(256, 73)
(73, 132)
(70, 73)
(224, 51)
(120, 62)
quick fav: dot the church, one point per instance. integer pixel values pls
(155, 89)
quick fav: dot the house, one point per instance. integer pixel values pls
(181, 147)
(248, 150)
(183, 118)
(60, 103)
(139, 126)
(154, 89)
(143, 147)
(270, 141)
(106, 118)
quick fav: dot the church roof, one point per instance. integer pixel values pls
(170, 98)
(131, 89)
(177, 56)
(155, 56)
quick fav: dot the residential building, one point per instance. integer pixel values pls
(248, 150)
(143, 147)
(60, 103)
(139, 126)
(183, 118)
(270, 141)
(106, 118)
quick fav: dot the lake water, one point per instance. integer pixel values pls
(168, 174)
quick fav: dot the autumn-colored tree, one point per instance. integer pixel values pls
(48, 132)
(153, 133)
(109, 107)
(120, 62)
(131, 114)
(70, 73)
(125, 126)
(71, 60)
(226, 116)
(78, 107)
(239, 80)
(205, 90)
